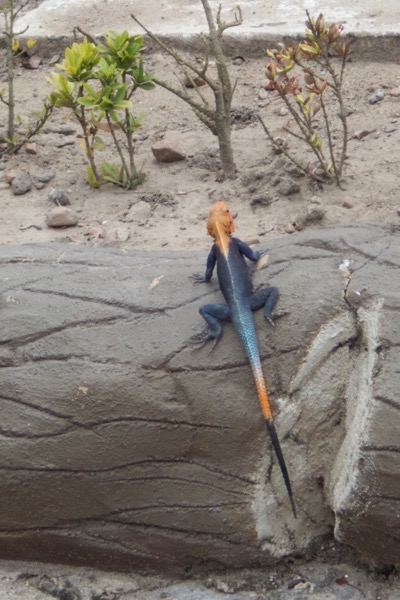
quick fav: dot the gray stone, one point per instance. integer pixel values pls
(376, 96)
(262, 93)
(287, 186)
(390, 128)
(21, 183)
(59, 197)
(122, 446)
(139, 211)
(261, 200)
(45, 176)
(122, 234)
(60, 216)
(312, 214)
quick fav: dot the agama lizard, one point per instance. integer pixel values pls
(235, 282)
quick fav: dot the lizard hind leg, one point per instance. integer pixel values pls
(214, 314)
(267, 298)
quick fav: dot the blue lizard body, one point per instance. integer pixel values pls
(228, 255)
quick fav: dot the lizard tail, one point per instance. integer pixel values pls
(267, 414)
(279, 454)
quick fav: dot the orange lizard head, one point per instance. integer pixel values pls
(220, 221)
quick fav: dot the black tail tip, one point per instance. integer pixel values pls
(292, 504)
(279, 454)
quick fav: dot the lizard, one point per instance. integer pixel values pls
(227, 253)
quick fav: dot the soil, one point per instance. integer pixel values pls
(169, 210)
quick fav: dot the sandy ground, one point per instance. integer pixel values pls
(169, 210)
(170, 207)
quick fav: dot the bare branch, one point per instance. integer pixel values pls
(217, 118)
(22, 31)
(222, 26)
(86, 35)
(178, 58)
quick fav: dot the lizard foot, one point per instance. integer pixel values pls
(200, 340)
(197, 278)
(276, 315)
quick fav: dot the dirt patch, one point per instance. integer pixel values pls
(170, 207)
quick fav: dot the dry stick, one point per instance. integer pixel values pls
(202, 112)
(86, 35)
(280, 148)
(48, 109)
(179, 59)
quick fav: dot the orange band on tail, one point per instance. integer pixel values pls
(263, 396)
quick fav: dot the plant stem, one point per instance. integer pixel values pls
(118, 146)
(81, 116)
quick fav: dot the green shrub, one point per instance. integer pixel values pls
(97, 82)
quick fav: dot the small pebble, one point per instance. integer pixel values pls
(122, 234)
(390, 128)
(21, 184)
(31, 148)
(213, 150)
(45, 176)
(377, 96)
(59, 197)
(9, 176)
(349, 202)
(261, 200)
(287, 186)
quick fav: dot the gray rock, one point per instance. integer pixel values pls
(60, 216)
(21, 183)
(122, 234)
(59, 197)
(262, 94)
(312, 214)
(45, 176)
(376, 96)
(139, 211)
(261, 200)
(122, 446)
(287, 186)
(213, 150)
(390, 128)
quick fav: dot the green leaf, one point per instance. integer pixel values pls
(85, 101)
(112, 173)
(30, 42)
(98, 144)
(93, 182)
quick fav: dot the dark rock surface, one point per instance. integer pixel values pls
(121, 445)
